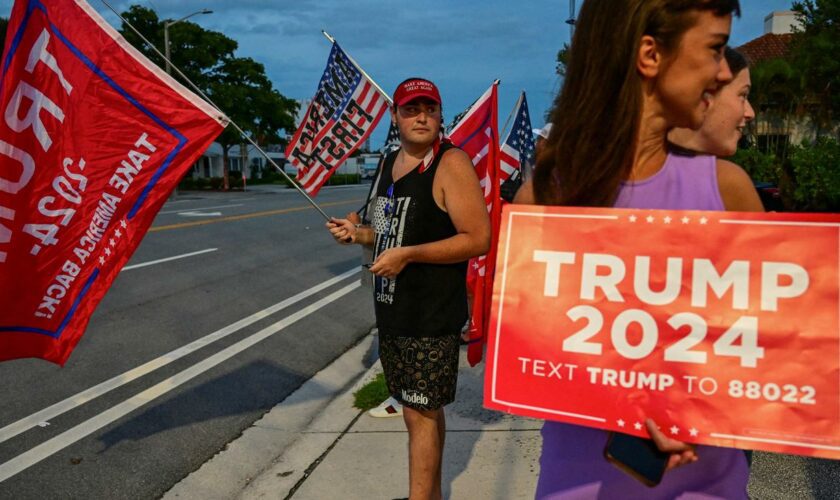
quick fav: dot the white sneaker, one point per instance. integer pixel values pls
(389, 408)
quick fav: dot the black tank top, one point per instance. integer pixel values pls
(424, 300)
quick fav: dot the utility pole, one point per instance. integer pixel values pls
(571, 20)
(166, 26)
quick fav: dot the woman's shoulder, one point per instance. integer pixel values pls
(525, 195)
(736, 188)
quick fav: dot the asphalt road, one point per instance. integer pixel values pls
(230, 303)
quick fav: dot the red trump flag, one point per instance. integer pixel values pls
(93, 138)
(477, 133)
(721, 326)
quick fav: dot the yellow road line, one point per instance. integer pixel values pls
(250, 216)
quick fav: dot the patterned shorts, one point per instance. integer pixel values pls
(422, 373)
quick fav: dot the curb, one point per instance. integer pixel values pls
(264, 445)
(289, 471)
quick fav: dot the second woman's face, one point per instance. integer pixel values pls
(729, 113)
(694, 71)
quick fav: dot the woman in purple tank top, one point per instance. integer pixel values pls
(637, 69)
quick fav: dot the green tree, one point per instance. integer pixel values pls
(814, 53)
(562, 60)
(814, 166)
(239, 86)
(777, 97)
(242, 90)
(196, 51)
(4, 25)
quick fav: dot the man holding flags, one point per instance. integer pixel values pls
(429, 218)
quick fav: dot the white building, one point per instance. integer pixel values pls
(210, 163)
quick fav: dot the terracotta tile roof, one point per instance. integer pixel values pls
(768, 46)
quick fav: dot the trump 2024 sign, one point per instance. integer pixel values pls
(722, 327)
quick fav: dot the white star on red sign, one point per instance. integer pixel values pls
(637, 426)
(667, 219)
(123, 223)
(632, 218)
(112, 242)
(620, 422)
(101, 260)
(649, 219)
(117, 233)
(685, 220)
(693, 432)
(108, 252)
(703, 220)
(675, 430)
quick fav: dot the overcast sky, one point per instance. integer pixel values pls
(462, 45)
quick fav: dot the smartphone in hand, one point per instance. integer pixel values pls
(637, 456)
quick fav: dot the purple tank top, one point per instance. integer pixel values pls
(572, 464)
(683, 183)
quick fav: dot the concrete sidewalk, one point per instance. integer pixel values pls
(345, 453)
(488, 454)
(315, 445)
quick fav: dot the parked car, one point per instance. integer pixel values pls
(770, 196)
(368, 171)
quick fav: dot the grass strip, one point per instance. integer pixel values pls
(371, 394)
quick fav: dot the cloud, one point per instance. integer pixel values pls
(463, 45)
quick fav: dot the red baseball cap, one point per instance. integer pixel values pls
(414, 88)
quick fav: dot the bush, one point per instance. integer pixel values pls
(270, 175)
(235, 181)
(202, 183)
(816, 175)
(761, 166)
(216, 183)
(187, 184)
(342, 179)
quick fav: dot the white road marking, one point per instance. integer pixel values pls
(92, 393)
(88, 427)
(183, 256)
(200, 208)
(200, 214)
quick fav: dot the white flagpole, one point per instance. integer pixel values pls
(387, 97)
(231, 122)
(518, 103)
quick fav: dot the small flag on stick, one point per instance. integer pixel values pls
(517, 150)
(343, 113)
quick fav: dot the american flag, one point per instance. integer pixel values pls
(477, 134)
(517, 150)
(460, 116)
(343, 113)
(392, 142)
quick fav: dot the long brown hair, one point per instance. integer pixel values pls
(597, 114)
